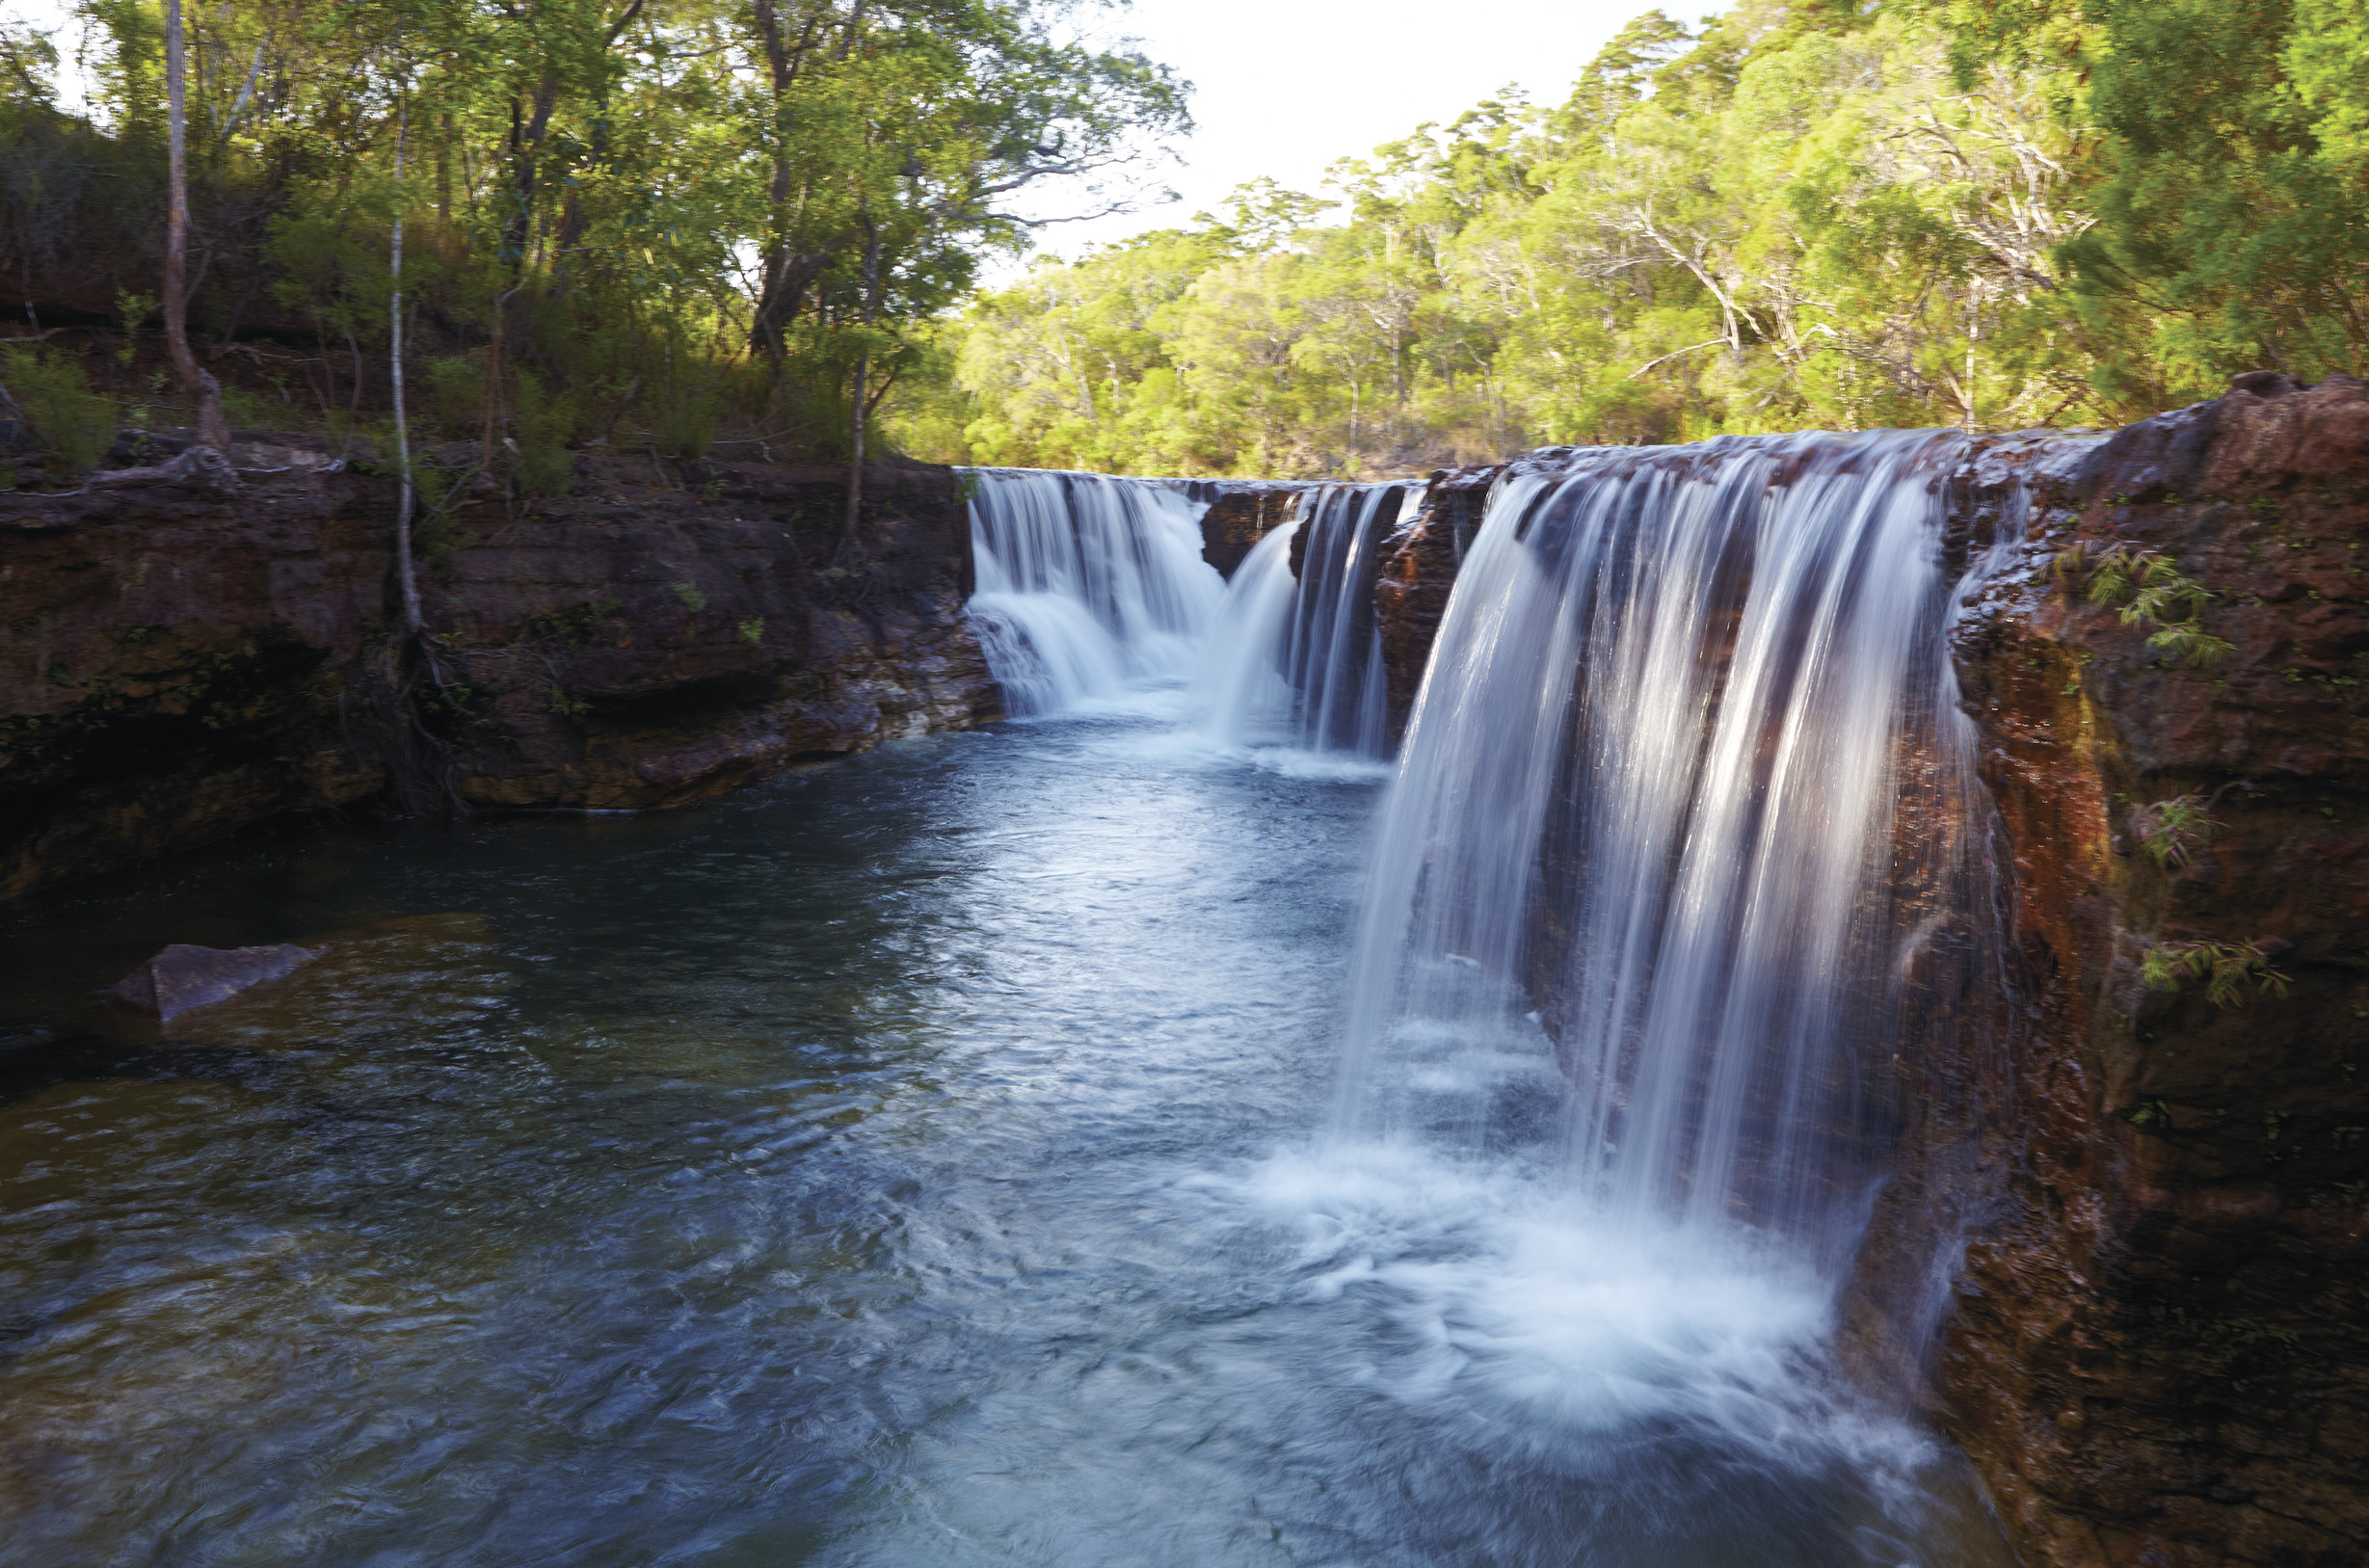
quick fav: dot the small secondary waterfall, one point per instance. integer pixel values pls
(1686, 784)
(1086, 584)
(1297, 655)
(1090, 584)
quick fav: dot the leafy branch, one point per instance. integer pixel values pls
(2225, 966)
(2169, 829)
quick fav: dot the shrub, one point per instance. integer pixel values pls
(546, 420)
(75, 425)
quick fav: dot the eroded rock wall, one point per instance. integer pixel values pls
(2159, 1352)
(1241, 513)
(1420, 559)
(179, 664)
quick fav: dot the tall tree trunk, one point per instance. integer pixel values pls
(407, 579)
(526, 136)
(787, 275)
(212, 429)
(858, 408)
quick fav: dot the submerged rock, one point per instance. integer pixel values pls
(184, 977)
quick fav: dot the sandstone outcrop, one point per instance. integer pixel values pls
(1419, 566)
(2160, 1348)
(1241, 513)
(180, 663)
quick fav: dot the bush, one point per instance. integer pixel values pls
(455, 386)
(73, 424)
(546, 420)
(685, 420)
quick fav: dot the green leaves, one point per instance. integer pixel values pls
(2152, 594)
(2226, 968)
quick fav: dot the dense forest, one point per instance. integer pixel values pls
(1807, 213)
(671, 221)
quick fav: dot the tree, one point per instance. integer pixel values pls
(212, 429)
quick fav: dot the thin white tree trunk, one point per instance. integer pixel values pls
(410, 583)
(212, 429)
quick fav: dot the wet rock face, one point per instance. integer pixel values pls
(1418, 567)
(2157, 1350)
(1241, 512)
(643, 650)
(179, 664)
(2160, 1349)
(173, 665)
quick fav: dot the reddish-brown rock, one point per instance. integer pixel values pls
(1418, 567)
(177, 664)
(1241, 513)
(2157, 1354)
(2160, 1351)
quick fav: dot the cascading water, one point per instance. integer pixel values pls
(916, 1154)
(1086, 584)
(1672, 856)
(1297, 656)
(1652, 776)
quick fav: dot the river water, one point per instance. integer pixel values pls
(930, 1159)
(914, 1162)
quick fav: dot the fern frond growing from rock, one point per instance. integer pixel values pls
(2225, 966)
(2152, 592)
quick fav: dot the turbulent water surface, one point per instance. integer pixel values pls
(925, 1160)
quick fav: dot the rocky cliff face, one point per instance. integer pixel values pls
(1241, 513)
(2159, 1353)
(2157, 1348)
(180, 663)
(1418, 567)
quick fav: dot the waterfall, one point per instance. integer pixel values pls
(1087, 585)
(1675, 836)
(1297, 656)
(1242, 689)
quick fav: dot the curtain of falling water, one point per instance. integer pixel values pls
(1648, 798)
(1299, 658)
(1333, 655)
(1086, 584)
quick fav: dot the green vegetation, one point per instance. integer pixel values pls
(2170, 829)
(1987, 213)
(625, 221)
(51, 396)
(2225, 969)
(663, 223)
(2159, 598)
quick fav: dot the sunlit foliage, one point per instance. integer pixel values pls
(1810, 213)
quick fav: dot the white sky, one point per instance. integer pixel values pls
(1283, 87)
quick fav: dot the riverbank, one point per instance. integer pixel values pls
(184, 661)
